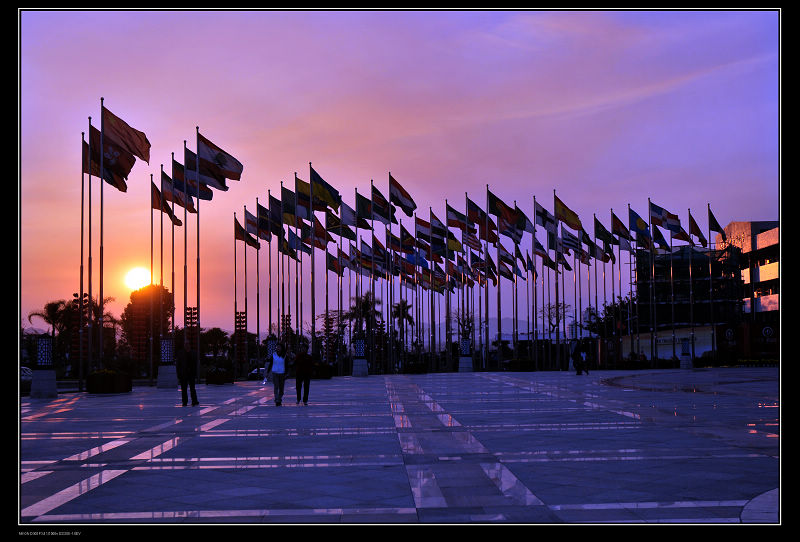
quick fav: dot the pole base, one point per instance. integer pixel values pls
(167, 377)
(360, 367)
(43, 384)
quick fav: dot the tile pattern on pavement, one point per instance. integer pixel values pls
(669, 446)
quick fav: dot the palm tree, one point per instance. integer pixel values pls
(363, 310)
(401, 312)
(52, 314)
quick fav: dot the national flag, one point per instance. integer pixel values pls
(275, 218)
(600, 232)
(225, 163)
(713, 225)
(566, 215)
(263, 221)
(543, 217)
(658, 237)
(295, 243)
(321, 237)
(130, 139)
(695, 230)
(117, 162)
(381, 208)
(174, 195)
(518, 254)
(303, 194)
(349, 217)
(423, 229)
(456, 219)
(505, 271)
(209, 174)
(406, 240)
(523, 222)
(538, 249)
(363, 207)
(289, 208)
(453, 244)
(555, 243)
(637, 225)
(157, 202)
(253, 225)
(393, 242)
(241, 235)
(180, 181)
(661, 217)
(504, 255)
(562, 261)
(472, 241)
(609, 250)
(625, 244)
(323, 192)
(475, 214)
(570, 241)
(284, 248)
(333, 263)
(400, 197)
(618, 228)
(682, 236)
(438, 230)
(334, 225)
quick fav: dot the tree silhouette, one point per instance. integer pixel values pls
(401, 313)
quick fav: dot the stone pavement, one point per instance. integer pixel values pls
(667, 446)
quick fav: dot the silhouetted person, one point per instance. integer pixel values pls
(576, 357)
(186, 368)
(277, 367)
(303, 366)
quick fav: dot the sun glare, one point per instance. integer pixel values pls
(138, 277)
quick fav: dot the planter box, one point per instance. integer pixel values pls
(108, 383)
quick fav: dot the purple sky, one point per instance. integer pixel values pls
(608, 108)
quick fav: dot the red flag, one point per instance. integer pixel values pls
(229, 166)
(117, 162)
(130, 139)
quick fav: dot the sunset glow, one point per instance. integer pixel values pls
(138, 277)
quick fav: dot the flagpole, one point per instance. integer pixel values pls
(691, 294)
(613, 292)
(269, 263)
(313, 291)
(486, 282)
(258, 287)
(185, 237)
(558, 262)
(235, 288)
(653, 322)
(244, 251)
(197, 165)
(89, 271)
(161, 267)
(150, 327)
(281, 271)
(630, 309)
(710, 292)
(102, 175)
(533, 287)
(88, 163)
(672, 294)
(172, 248)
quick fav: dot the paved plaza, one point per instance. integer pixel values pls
(669, 446)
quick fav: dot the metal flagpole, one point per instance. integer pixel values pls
(710, 292)
(197, 165)
(150, 327)
(269, 262)
(313, 291)
(235, 290)
(244, 252)
(80, 291)
(486, 282)
(691, 294)
(185, 236)
(100, 295)
(161, 266)
(653, 322)
(258, 289)
(89, 271)
(533, 287)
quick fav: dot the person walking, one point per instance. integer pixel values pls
(277, 368)
(303, 366)
(186, 368)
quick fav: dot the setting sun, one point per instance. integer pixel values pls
(138, 277)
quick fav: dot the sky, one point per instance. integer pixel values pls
(607, 108)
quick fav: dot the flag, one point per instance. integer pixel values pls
(157, 202)
(600, 232)
(713, 225)
(504, 255)
(456, 219)
(275, 218)
(538, 249)
(523, 222)
(570, 241)
(423, 229)
(695, 230)
(295, 243)
(209, 173)
(566, 215)
(381, 208)
(475, 214)
(321, 237)
(252, 225)
(401, 198)
(682, 236)
(393, 242)
(661, 217)
(544, 218)
(177, 197)
(618, 228)
(453, 244)
(226, 164)
(334, 225)
(241, 235)
(658, 237)
(406, 241)
(624, 244)
(472, 241)
(263, 220)
(289, 208)
(637, 225)
(349, 217)
(333, 263)
(303, 194)
(129, 139)
(518, 254)
(438, 230)
(181, 182)
(323, 192)
(117, 162)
